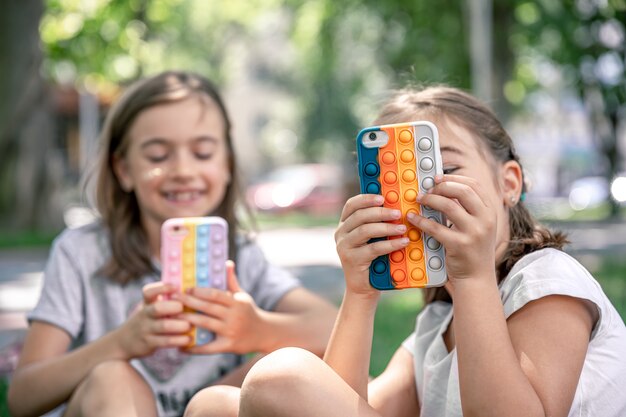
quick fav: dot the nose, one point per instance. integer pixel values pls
(183, 166)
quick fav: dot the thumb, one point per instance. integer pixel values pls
(231, 277)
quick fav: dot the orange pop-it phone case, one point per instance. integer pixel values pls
(397, 161)
(193, 254)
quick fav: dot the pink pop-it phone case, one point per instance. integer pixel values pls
(193, 254)
(397, 161)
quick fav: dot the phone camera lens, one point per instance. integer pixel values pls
(372, 136)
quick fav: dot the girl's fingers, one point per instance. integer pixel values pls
(205, 322)
(170, 326)
(164, 308)
(453, 210)
(440, 232)
(358, 202)
(213, 295)
(362, 234)
(379, 248)
(368, 215)
(216, 310)
(165, 341)
(467, 190)
(152, 291)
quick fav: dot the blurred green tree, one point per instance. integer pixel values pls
(334, 58)
(585, 41)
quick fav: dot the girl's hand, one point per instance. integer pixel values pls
(231, 315)
(363, 219)
(470, 240)
(154, 324)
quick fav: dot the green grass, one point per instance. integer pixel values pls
(394, 321)
(26, 239)
(611, 274)
(4, 387)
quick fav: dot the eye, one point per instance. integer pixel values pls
(157, 158)
(205, 156)
(449, 170)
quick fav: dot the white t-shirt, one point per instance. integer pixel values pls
(87, 306)
(601, 390)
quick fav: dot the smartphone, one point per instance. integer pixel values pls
(397, 161)
(193, 254)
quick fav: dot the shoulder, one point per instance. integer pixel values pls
(89, 238)
(548, 272)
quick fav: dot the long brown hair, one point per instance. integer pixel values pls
(130, 255)
(440, 102)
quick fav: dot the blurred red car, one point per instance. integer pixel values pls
(311, 188)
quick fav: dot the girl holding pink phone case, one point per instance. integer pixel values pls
(108, 337)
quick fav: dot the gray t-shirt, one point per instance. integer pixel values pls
(88, 306)
(602, 383)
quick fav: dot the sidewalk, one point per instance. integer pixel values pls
(310, 255)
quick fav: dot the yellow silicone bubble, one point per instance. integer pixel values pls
(405, 136)
(407, 156)
(410, 195)
(417, 274)
(408, 175)
(414, 235)
(415, 255)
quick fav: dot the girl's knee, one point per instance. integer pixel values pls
(216, 401)
(280, 375)
(108, 377)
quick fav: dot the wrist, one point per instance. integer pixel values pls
(115, 345)
(364, 303)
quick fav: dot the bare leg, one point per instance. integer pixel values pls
(216, 401)
(112, 388)
(295, 382)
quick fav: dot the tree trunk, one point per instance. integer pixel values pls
(28, 178)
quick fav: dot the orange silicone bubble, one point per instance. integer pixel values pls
(389, 158)
(390, 177)
(392, 197)
(397, 256)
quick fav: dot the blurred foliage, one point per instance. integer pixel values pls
(333, 62)
(334, 57)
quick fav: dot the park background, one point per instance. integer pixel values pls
(300, 78)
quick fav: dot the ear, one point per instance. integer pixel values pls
(120, 168)
(512, 182)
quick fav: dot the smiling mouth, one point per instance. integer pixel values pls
(182, 197)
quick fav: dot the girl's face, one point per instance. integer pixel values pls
(177, 160)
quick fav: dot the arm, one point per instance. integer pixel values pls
(48, 374)
(393, 393)
(528, 366)
(538, 354)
